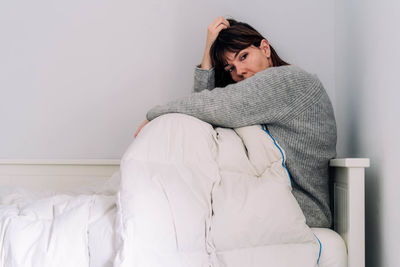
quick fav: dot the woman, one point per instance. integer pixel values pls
(246, 84)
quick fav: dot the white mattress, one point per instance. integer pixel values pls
(333, 252)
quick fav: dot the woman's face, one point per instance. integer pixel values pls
(249, 61)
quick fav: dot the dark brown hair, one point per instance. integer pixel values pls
(235, 38)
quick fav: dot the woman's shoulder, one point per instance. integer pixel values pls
(289, 70)
(291, 73)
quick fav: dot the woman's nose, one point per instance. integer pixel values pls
(240, 69)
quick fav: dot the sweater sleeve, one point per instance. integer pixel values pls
(203, 79)
(276, 94)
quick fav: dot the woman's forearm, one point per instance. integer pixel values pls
(269, 96)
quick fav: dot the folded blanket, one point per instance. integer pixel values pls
(192, 195)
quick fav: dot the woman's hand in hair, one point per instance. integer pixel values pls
(213, 30)
(140, 127)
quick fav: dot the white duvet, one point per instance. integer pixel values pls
(57, 230)
(193, 196)
(189, 196)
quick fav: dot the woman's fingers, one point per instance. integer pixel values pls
(218, 21)
(137, 132)
(220, 27)
(215, 28)
(213, 31)
(140, 127)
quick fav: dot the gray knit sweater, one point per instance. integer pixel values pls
(298, 113)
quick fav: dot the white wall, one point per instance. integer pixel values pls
(367, 60)
(77, 77)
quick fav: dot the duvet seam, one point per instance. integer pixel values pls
(280, 150)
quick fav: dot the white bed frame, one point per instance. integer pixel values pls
(62, 175)
(349, 206)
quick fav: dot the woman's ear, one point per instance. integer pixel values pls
(264, 46)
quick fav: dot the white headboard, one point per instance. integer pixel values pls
(56, 175)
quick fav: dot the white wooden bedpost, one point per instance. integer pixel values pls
(349, 206)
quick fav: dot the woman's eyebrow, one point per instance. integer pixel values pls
(236, 54)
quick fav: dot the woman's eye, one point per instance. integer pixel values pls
(243, 57)
(230, 70)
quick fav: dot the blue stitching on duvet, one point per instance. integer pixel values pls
(283, 156)
(320, 248)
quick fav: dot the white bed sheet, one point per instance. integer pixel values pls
(333, 252)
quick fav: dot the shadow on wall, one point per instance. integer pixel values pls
(373, 236)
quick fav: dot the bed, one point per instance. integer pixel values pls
(87, 175)
(184, 194)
